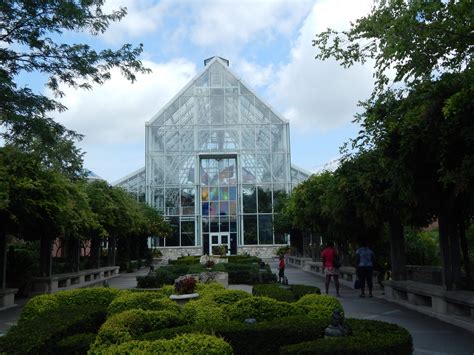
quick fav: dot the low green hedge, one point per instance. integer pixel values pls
(43, 304)
(150, 300)
(244, 259)
(259, 338)
(289, 294)
(260, 308)
(369, 337)
(317, 306)
(129, 325)
(75, 344)
(184, 344)
(185, 260)
(40, 335)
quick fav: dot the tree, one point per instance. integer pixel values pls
(29, 32)
(418, 39)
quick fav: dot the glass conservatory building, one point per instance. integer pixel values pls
(217, 162)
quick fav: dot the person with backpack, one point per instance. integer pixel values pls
(365, 267)
(331, 264)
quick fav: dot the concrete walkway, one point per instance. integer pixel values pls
(430, 336)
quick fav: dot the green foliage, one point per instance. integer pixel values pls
(291, 294)
(227, 297)
(186, 344)
(317, 306)
(259, 338)
(244, 259)
(185, 260)
(40, 305)
(203, 312)
(369, 337)
(22, 265)
(153, 301)
(417, 39)
(39, 335)
(281, 251)
(422, 248)
(75, 344)
(128, 325)
(260, 308)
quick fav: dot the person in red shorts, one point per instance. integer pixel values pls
(330, 257)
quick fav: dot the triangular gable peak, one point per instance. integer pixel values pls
(215, 79)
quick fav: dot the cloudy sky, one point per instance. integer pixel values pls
(268, 44)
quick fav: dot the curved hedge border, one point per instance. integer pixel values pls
(184, 344)
(290, 294)
(260, 308)
(148, 300)
(259, 338)
(369, 337)
(128, 325)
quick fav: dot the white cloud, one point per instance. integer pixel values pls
(322, 95)
(143, 17)
(231, 24)
(253, 74)
(116, 112)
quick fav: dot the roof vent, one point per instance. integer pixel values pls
(208, 60)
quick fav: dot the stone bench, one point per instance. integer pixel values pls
(456, 307)
(7, 297)
(73, 280)
(347, 274)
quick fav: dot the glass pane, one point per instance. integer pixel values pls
(265, 199)
(232, 208)
(232, 193)
(172, 141)
(265, 229)
(187, 140)
(214, 193)
(158, 137)
(248, 137)
(205, 225)
(224, 239)
(214, 208)
(204, 194)
(278, 139)
(249, 198)
(157, 170)
(279, 167)
(248, 162)
(263, 169)
(279, 196)
(215, 239)
(187, 201)
(231, 109)
(217, 109)
(205, 208)
(224, 193)
(173, 239)
(250, 229)
(187, 233)
(263, 137)
(214, 225)
(224, 210)
(172, 201)
(159, 199)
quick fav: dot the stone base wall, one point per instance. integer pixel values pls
(262, 251)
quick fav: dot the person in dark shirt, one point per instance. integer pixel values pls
(281, 269)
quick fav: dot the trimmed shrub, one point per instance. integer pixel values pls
(75, 344)
(244, 259)
(183, 344)
(39, 335)
(130, 324)
(43, 304)
(203, 312)
(260, 338)
(317, 306)
(146, 300)
(260, 308)
(185, 260)
(228, 297)
(301, 290)
(369, 337)
(206, 289)
(274, 291)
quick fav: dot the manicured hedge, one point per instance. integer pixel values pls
(129, 325)
(185, 260)
(260, 308)
(228, 297)
(43, 304)
(244, 259)
(274, 291)
(75, 344)
(369, 337)
(317, 306)
(40, 335)
(183, 344)
(259, 338)
(150, 300)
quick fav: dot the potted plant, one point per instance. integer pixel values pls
(184, 287)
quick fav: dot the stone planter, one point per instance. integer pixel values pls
(181, 300)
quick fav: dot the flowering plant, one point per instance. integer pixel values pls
(185, 285)
(209, 263)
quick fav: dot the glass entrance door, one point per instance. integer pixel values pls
(218, 241)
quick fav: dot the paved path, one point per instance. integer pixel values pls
(430, 335)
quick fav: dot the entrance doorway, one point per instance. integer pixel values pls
(217, 241)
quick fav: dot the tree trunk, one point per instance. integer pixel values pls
(455, 252)
(444, 243)
(397, 249)
(73, 253)
(3, 260)
(45, 256)
(465, 249)
(111, 250)
(95, 252)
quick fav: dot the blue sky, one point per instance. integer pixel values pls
(268, 44)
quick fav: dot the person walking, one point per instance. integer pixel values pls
(365, 267)
(331, 265)
(281, 269)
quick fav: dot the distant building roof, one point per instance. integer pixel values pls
(90, 175)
